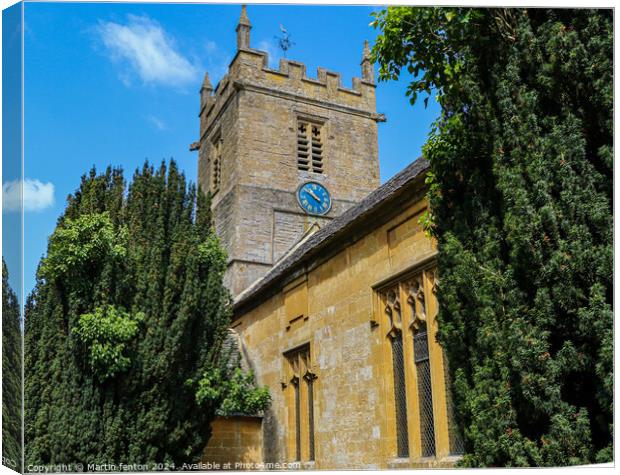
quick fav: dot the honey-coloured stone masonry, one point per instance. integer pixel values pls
(352, 299)
(248, 152)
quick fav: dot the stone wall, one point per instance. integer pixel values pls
(342, 323)
(255, 109)
(235, 439)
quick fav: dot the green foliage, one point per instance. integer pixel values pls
(81, 244)
(129, 305)
(212, 253)
(11, 376)
(237, 394)
(521, 198)
(105, 334)
(242, 397)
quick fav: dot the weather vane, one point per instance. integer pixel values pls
(284, 41)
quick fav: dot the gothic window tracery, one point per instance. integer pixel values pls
(419, 371)
(301, 379)
(416, 300)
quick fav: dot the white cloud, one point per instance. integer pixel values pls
(148, 50)
(158, 123)
(271, 48)
(37, 195)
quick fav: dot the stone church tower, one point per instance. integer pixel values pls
(282, 153)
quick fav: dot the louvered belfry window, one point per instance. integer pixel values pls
(309, 146)
(216, 169)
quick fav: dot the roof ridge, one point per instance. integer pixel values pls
(338, 224)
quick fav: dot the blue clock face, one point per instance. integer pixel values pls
(314, 198)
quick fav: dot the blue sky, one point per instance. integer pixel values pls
(118, 84)
(11, 142)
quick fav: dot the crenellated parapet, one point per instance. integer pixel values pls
(255, 64)
(250, 71)
(291, 76)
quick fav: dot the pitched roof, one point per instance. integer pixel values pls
(339, 226)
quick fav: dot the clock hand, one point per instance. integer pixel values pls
(311, 193)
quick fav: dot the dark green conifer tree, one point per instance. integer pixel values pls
(521, 197)
(11, 376)
(125, 325)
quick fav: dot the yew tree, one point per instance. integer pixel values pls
(11, 376)
(124, 330)
(521, 189)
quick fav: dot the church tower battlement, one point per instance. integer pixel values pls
(282, 153)
(250, 68)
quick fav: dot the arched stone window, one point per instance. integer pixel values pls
(301, 381)
(395, 334)
(421, 357)
(420, 416)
